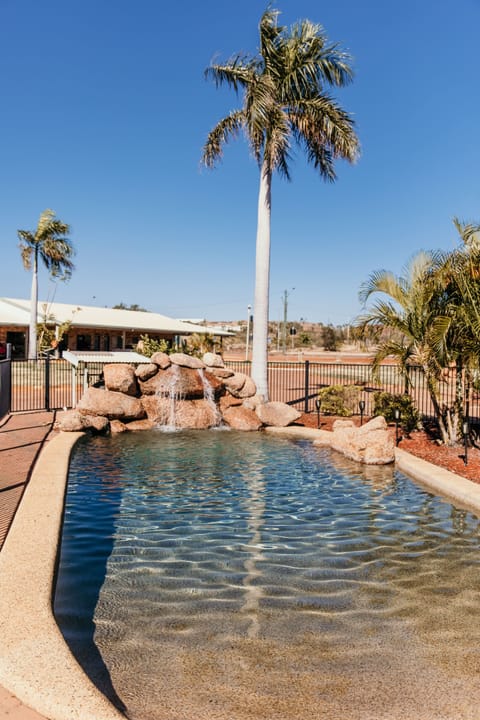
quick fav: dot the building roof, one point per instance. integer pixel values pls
(17, 312)
(111, 356)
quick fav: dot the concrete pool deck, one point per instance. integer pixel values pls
(37, 671)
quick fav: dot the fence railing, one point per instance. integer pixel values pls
(50, 383)
(5, 387)
(298, 384)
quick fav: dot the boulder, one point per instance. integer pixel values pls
(188, 361)
(235, 382)
(371, 443)
(117, 426)
(186, 414)
(96, 423)
(74, 421)
(221, 372)
(241, 418)
(253, 402)
(212, 360)
(227, 401)
(110, 404)
(181, 382)
(70, 421)
(120, 378)
(277, 414)
(146, 371)
(249, 389)
(135, 425)
(161, 359)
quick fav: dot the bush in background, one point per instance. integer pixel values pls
(386, 403)
(341, 400)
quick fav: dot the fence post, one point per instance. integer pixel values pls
(47, 383)
(307, 380)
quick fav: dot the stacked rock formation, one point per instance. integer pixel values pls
(175, 390)
(371, 443)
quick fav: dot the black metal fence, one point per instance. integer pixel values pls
(5, 387)
(50, 383)
(298, 384)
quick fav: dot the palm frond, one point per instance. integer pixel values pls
(227, 128)
(237, 72)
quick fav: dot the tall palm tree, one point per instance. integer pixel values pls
(284, 101)
(49, 244)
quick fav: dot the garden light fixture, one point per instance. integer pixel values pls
(361, 405)
(396, 414)
(465, 430)
(318, 404)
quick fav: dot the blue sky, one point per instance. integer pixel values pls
(104, 111)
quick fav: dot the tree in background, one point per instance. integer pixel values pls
(134, 306)
(329, 338)
(284, 102)
(49, 244)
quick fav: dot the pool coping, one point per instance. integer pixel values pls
(36, 664)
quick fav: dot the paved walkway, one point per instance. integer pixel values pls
(22, 436)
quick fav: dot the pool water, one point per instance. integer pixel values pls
(236, 575)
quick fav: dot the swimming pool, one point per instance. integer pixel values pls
(234, 575)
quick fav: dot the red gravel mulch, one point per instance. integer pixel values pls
(420, 443)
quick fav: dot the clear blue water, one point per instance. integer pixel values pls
(236, 575)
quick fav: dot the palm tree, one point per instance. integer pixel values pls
(459, 276)
(49, 244)
(414, 313)
(284, 101)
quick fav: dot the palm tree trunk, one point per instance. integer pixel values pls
(32, 333)
(262, 286)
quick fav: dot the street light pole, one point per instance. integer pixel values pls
(249, 310)
(285, 306)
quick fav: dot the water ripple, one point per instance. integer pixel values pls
(250, 577)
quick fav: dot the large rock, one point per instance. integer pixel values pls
(109, 404)
(117, 427)
(277, 414)
(371, 443)
(221, 372)
(146, 370)
(120, 378)
(185, 414)
(70, 421)
(161, 359)
(188, 361)
(212, 360)
(235, 383)
(248, 390)
(227, 401)
(241, 418)
(74, 421)
(144, 424)
(177, 381)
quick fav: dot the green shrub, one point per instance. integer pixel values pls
(148, 346)
(386, 403)
(341, 400)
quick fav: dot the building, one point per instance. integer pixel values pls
(91, 328)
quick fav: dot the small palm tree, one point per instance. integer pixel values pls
(49, 244)
(414, 313)
(284, 102)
